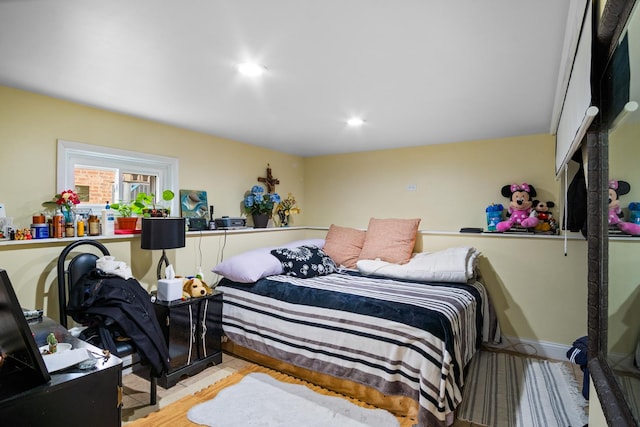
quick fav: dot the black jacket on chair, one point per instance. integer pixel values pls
(116, 306)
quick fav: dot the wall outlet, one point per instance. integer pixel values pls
(412, 187)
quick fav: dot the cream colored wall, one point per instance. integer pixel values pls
(540, 294)
(31, 124)
(454, 182)
(596, 414)
(536, 288)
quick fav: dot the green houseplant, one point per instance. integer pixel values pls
(126, 220)
(124, 209)
(143, 205)
(146, 204)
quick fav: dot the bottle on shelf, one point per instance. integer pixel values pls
(94, 225)
(80, 226)
(70, 231)
(108, 221)
(212, 222)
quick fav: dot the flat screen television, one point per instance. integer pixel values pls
(21, 364)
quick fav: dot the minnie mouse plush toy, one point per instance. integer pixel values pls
(520, 206)
(616, 189)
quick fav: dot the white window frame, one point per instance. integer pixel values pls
(72, 154)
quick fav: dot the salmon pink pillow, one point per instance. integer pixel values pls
(343, 245)
(390, 240)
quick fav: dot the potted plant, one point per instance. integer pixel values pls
(126, 220)
(260, 205)
(146, 203)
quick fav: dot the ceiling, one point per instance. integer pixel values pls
(417, 71)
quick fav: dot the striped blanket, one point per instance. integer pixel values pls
(403, 338)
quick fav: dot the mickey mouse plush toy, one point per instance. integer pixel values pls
(520, 206)
(546, 222)
(616, 189)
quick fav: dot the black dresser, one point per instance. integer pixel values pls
(73, 397)
(193, 331)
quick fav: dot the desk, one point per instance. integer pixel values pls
(73, 397)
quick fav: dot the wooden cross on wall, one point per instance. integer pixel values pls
(270, 181)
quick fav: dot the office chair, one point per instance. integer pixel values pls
(68, 277)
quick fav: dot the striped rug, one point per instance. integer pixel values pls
(503, 390)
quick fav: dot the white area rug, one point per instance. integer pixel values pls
(260, 400)
(502, 390)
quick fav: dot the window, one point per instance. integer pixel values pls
(99, 174)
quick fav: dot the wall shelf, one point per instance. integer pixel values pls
(4, 243)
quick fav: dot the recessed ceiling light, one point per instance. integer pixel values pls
(251, 69)
(355, 121)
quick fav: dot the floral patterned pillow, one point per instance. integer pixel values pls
(305, 261)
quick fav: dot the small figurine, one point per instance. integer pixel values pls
(547, 222)
(194, 288)
(53, 343)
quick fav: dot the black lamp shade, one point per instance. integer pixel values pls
(162, 233)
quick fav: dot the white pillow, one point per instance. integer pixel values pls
(449, 265)
(250, 266)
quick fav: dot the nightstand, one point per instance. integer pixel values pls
(193, 332)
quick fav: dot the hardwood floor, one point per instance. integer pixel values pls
(136, 389)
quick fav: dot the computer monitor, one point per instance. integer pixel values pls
(21, 364)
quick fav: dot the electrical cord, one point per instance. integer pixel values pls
(520, 347)
(221, 254)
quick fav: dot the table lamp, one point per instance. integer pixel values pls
(162, 233)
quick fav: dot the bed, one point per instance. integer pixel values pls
(378, 326)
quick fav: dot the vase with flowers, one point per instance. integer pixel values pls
(286, 208)
(66, 201)
(260, 205)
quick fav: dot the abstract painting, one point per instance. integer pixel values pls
(193, 204)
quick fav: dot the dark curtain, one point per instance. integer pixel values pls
(576, 215)
(616, 83)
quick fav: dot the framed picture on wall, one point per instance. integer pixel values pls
(193, 204)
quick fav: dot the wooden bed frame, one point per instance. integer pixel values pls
(398, 405)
